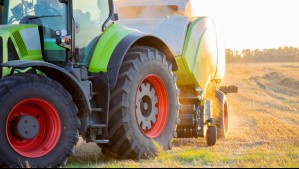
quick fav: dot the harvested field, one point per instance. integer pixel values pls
(264, 126)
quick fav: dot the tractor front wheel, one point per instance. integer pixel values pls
(38, 122)
(143, 106)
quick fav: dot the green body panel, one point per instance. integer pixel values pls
(53, 52)
(13, 28)
(50, 44)
(182, 73)
(7, 31)
(5, 36)
(198, 63)
(13, 32)
(106, 46)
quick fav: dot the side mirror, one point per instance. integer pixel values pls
(115, 17)
(63, 1)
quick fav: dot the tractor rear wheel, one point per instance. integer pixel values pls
(38, 122)
(220, 113)
(143, 106)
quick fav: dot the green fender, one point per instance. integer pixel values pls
(106, 45)
(113, 45)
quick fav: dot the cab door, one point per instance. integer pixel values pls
(89, 18)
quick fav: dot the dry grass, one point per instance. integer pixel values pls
(264, 121)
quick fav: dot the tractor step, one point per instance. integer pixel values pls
(94, 93)
(97, 110)
(95, 126)
(97, 134)
(90, 77)
(100, 141)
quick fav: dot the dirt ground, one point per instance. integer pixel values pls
(264, 126)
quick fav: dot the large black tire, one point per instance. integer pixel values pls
(220, 113)
(127, 139)
(41, 96)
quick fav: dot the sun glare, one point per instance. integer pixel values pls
(253, 23)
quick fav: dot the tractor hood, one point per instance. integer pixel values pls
(25, 39)
(4, 29)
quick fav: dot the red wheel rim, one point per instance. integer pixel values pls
(48, 133)
(161, 105)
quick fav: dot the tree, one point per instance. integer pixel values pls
(282, 54)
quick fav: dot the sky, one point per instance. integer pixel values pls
(253, 24)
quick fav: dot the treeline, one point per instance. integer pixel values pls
(284, 54)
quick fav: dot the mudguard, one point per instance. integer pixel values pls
(114, 45)
(66, 79)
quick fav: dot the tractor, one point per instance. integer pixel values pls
(73, 68)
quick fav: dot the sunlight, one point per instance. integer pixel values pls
(253, 24)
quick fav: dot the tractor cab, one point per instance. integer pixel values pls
(63, 27)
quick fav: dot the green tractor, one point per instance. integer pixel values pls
(71, 68)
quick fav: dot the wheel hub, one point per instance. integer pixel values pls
(146, 109)
(145, 106)
(33, 128)
(26, 127)
(151, 106)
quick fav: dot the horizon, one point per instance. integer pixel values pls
(261, 49)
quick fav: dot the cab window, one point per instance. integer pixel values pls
(49, 14)
(89, 18)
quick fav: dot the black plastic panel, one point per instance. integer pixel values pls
(1, 55)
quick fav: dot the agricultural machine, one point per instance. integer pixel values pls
(131, 85)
